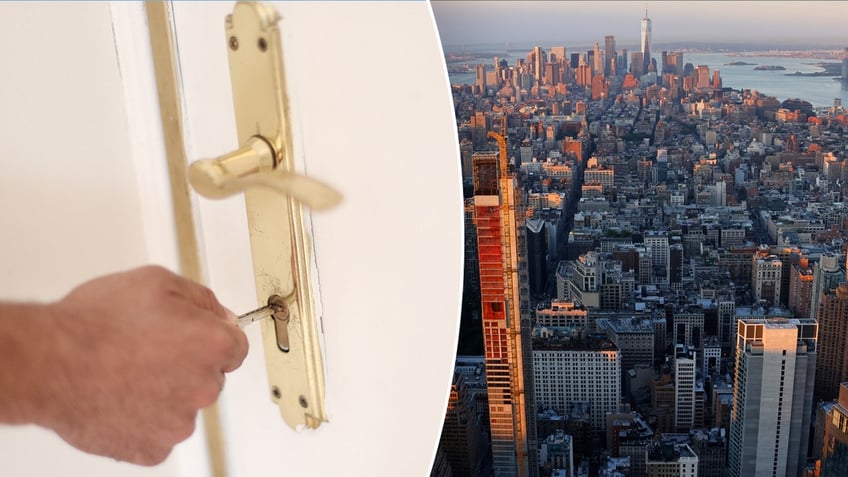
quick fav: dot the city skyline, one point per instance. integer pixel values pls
(467, 23)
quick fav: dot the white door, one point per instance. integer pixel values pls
(373, 117)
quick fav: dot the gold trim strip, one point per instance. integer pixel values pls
(160, 24)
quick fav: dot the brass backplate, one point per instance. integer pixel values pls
(278, 236)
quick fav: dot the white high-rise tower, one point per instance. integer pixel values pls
(646, 41)
(772, 397)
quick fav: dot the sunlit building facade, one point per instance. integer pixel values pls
(772, 397)
(646, 42)
(505, 322)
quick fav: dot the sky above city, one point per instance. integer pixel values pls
(584, 22)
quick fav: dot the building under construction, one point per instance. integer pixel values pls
(505, 312)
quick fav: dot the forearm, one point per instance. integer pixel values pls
(25, 362)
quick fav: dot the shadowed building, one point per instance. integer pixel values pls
(537, 255)
(832, 363)
(834, 460)
(461, 432)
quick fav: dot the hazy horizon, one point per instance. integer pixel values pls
(583, 23)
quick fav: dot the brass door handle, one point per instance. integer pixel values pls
(252, 165)
(263, 168)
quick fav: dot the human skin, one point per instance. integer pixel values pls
(121, 365)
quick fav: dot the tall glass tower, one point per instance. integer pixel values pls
(646, 41)
(506, 333)
(609, 54)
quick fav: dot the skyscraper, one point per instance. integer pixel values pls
(461, 432)
(585, 369)
(598, 60)
(609, 53)
(684, 390)
(845, 66)
(481, 79)
(557, 55)
(772, 397)
(766, 274)
(832, 365)
(826, 276)
(801, 288)
(538, 63)
(658, 244)
(702, 77)
(537, 255)
(835, 444)
(646, 42)
(505, 329)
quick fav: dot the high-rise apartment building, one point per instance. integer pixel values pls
(727, 323)
(506, 322)
(552, 75)
(609, 54)
(537, 254)
(801, 288)
(646, 42)
(675, 266)
(772, 397)
(479, 123)
(684, 391)
(538, 63)
(471, 275)
(788, 256)
(657, 242)
(621, 62)
(637, 63)
(766, 275)
(557, 55)
(845, 66)
(702, 77)
(832, 363)
(635, 339)
(834, 457)
(598, 59)
(572, 370)
(461, 432)
(674, 63)
(826, 276)
(689, 329)
(481, 79)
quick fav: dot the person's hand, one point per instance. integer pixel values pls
(137, 355)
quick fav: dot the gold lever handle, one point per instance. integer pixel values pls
(252, 165)
(263, 168)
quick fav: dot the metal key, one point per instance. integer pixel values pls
(279, 310)
(256, 315)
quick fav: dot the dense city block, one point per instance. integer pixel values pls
(655, 272)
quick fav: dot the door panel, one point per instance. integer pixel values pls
(372, 116)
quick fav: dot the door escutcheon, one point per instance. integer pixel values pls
(263, 167)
